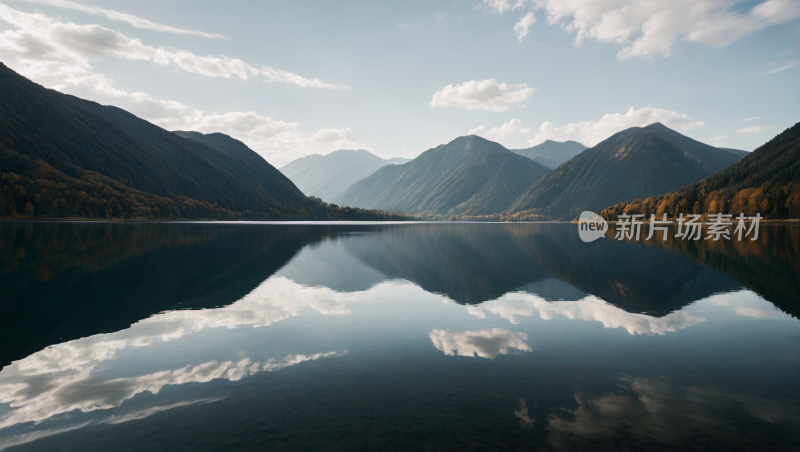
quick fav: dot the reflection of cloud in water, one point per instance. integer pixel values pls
(657, 412)
(525, 421)
(274, 300)
(64, 377)
(39, 397)
(485, 343)
(589, 308)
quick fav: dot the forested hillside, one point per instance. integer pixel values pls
(767, 181)
(61, 156)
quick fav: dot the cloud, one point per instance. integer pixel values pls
(485, 343)
(482, 95)
(134, 21)
(57, 55)
(505, 131)
(40, 38)
(593, 132)
(785, 65)
(644, 27)
(521, 28)
(751, 119)
(755, 129)
(589, 132)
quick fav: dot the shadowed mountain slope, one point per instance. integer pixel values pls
(468, 176)
(637, 162)
(766, 181)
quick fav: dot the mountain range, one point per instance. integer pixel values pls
(552, 153)
(766, 182)
(62, 156)
(325, 176)
(637, 162)
(470, 176)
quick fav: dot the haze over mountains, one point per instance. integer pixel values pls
(467, 177)
(325, 176)
(637, 162)
(552, 153)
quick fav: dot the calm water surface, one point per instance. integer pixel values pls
(394, 337)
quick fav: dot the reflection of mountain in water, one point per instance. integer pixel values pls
(328, 264)
(469, 263)
(635, 278)
(66, 281)
(473, 263)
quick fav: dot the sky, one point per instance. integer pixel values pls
(295, 78)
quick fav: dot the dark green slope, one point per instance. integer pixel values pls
(635, 163)
(552, 153)
(67, 133)
(468, 176)
(325, 176)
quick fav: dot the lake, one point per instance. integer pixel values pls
(390, 337)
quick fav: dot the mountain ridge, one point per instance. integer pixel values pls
(467, 176)
(636, 162)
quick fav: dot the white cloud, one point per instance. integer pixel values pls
(482, 95)
(593, 132)
(57, 55)
(37, 37)
(646, 27)
(522, 27)
(134, 21)
(755, 129)
(751, 119)
(486, 343)
(505, 131)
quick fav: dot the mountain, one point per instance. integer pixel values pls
(552, 153)
(766, 181)
(467, 177)
(635, 163)
(325, 176)
(62, 156)
(398, 160)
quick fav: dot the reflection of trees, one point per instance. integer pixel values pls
(73, 280)
(767, 266)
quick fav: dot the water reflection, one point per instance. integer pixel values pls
(510, 336)
(647, 411)
(484, 343)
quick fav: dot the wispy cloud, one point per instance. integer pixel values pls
(784, 65)
(751, 119)
(134, 21)
(755, 129)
